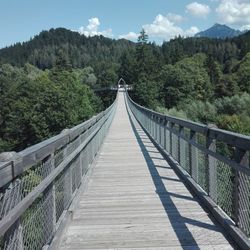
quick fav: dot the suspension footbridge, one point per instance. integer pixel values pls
(129, 178)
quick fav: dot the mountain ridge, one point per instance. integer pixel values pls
(219, 31)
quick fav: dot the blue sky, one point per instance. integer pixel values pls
(162, 19)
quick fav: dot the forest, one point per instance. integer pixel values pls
(48, 83)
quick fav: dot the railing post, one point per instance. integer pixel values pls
(161, 130)
(165, 122)
(171, 138)
(147, 120)
(155, 128)
(158, 128)
(53, 194)
(81, 164)
(149, 123)
(181, 148)
(242, 193)
(67, 182)
(211, 169)
(193, 156)
(152, 125)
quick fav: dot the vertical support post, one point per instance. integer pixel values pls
(165, 133)
(51, 205)
(181, 149)
(161, 128)
(67, 182)
(155, 131)
(211, 169)
(81, 164)
(242, 193)
(158, 129)
(150, 124)
(146, 119)
(65, 194)
(171, 138)
(155, 127)
(193, 156)
(53, 194)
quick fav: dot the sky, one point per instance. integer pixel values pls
(20, 20)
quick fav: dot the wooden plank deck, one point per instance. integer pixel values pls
(134, 200)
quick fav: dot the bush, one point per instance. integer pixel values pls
(229, 113)
(238, 104)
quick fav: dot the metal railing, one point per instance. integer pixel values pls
(217, 160)
(38, 185)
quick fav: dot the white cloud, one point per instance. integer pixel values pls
(175, 18)
(198, 9)
(234, 12)
(92, 29)
(162, 27)
(191, 31)
(129, 36)
(245, 27)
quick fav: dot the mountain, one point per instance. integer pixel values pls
(219, 31)
(80, 50)
(100, 52)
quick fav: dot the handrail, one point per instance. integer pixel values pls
(40, 182)
(216, 161)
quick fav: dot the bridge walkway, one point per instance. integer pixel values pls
(135, 200)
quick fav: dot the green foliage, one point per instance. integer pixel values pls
(77, 50)
(31, 180)
(214, 70)
(146, 92)
(226, 86)
(200, 111)
(238, 104)
(86, 76)
(186, 79)
(127, 67)
(145, 64)
(172, 112)
(106, 74)
(230, 113)
(196, 78)
(220, 50)
(243, 73)
(36, 105)
(236, 123)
